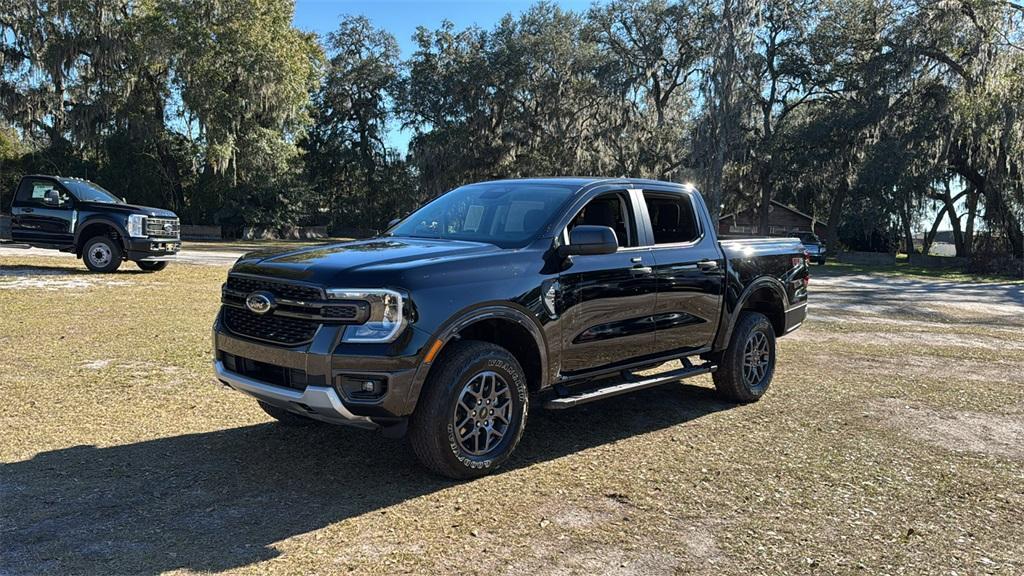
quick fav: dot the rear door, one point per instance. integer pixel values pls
(37, 217)
(689, 270)
(607, 300)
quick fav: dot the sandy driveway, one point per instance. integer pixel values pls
(902, 299)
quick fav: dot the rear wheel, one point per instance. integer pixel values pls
(284, 417)
(152, 266)
(472, 412)
(746, 367)
(102, 254)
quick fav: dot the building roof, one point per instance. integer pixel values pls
(775, 203)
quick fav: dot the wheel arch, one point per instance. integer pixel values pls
(502, 324)
(99, 227)
(766, 295)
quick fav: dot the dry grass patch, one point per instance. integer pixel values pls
(878, 450)
(961, 431)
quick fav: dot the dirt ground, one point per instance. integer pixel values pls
(890, 443)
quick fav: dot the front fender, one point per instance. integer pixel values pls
(96, 219)
(469, 316)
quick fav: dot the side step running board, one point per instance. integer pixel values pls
(629, 383)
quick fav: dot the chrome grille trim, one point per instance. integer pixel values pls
(157, 227)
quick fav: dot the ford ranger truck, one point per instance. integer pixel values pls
(501, 295)
(78, 216)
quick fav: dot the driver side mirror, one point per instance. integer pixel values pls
(51, 197)
(587, 240)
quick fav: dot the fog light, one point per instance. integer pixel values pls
(358, 387)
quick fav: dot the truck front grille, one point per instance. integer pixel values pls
(162, 227)
(269, 327)
(246, 285)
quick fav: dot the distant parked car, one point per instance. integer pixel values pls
(814, 246)
(75, 215)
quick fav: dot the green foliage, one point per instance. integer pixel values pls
(868, 114)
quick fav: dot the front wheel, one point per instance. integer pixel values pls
(152, 266)
(472, 412)
(746, 367)
(102, 254)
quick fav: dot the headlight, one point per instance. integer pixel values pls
(386, 314)
(137, 226)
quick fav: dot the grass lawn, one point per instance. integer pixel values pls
(892, 441)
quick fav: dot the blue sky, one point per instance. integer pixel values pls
(402, 17)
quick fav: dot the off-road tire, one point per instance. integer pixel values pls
(102, 254)
(152, 266)
(730, 379)
(284, 417)
(432, 430)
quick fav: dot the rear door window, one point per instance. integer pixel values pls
(673, 220)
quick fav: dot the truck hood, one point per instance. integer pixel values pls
(327, 265)
(127, 209)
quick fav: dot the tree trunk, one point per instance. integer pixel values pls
(972, 212)
(954, 220)
(765, 208)
(996, 210)
(835, 211)
(908, 234)
(926, 246)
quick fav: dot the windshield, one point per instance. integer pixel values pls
(89, 192)
(507, 214)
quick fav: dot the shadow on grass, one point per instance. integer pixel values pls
(220, 500)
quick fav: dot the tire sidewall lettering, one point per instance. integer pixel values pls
(512, 374)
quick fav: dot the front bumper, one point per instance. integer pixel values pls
(153, 249)
(324, 364)
(317, 402)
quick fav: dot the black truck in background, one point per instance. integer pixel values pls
(499, 295)
(78, 216)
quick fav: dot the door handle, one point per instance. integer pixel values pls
(27, 210)
(707, 265)
(636, 259)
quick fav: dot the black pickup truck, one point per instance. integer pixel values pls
(501, 294)
(75, 215)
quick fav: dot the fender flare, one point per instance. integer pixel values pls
(466, 318)
(724, 336)
(100, 220)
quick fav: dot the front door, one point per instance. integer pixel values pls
(42, 213)
(607, 300)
